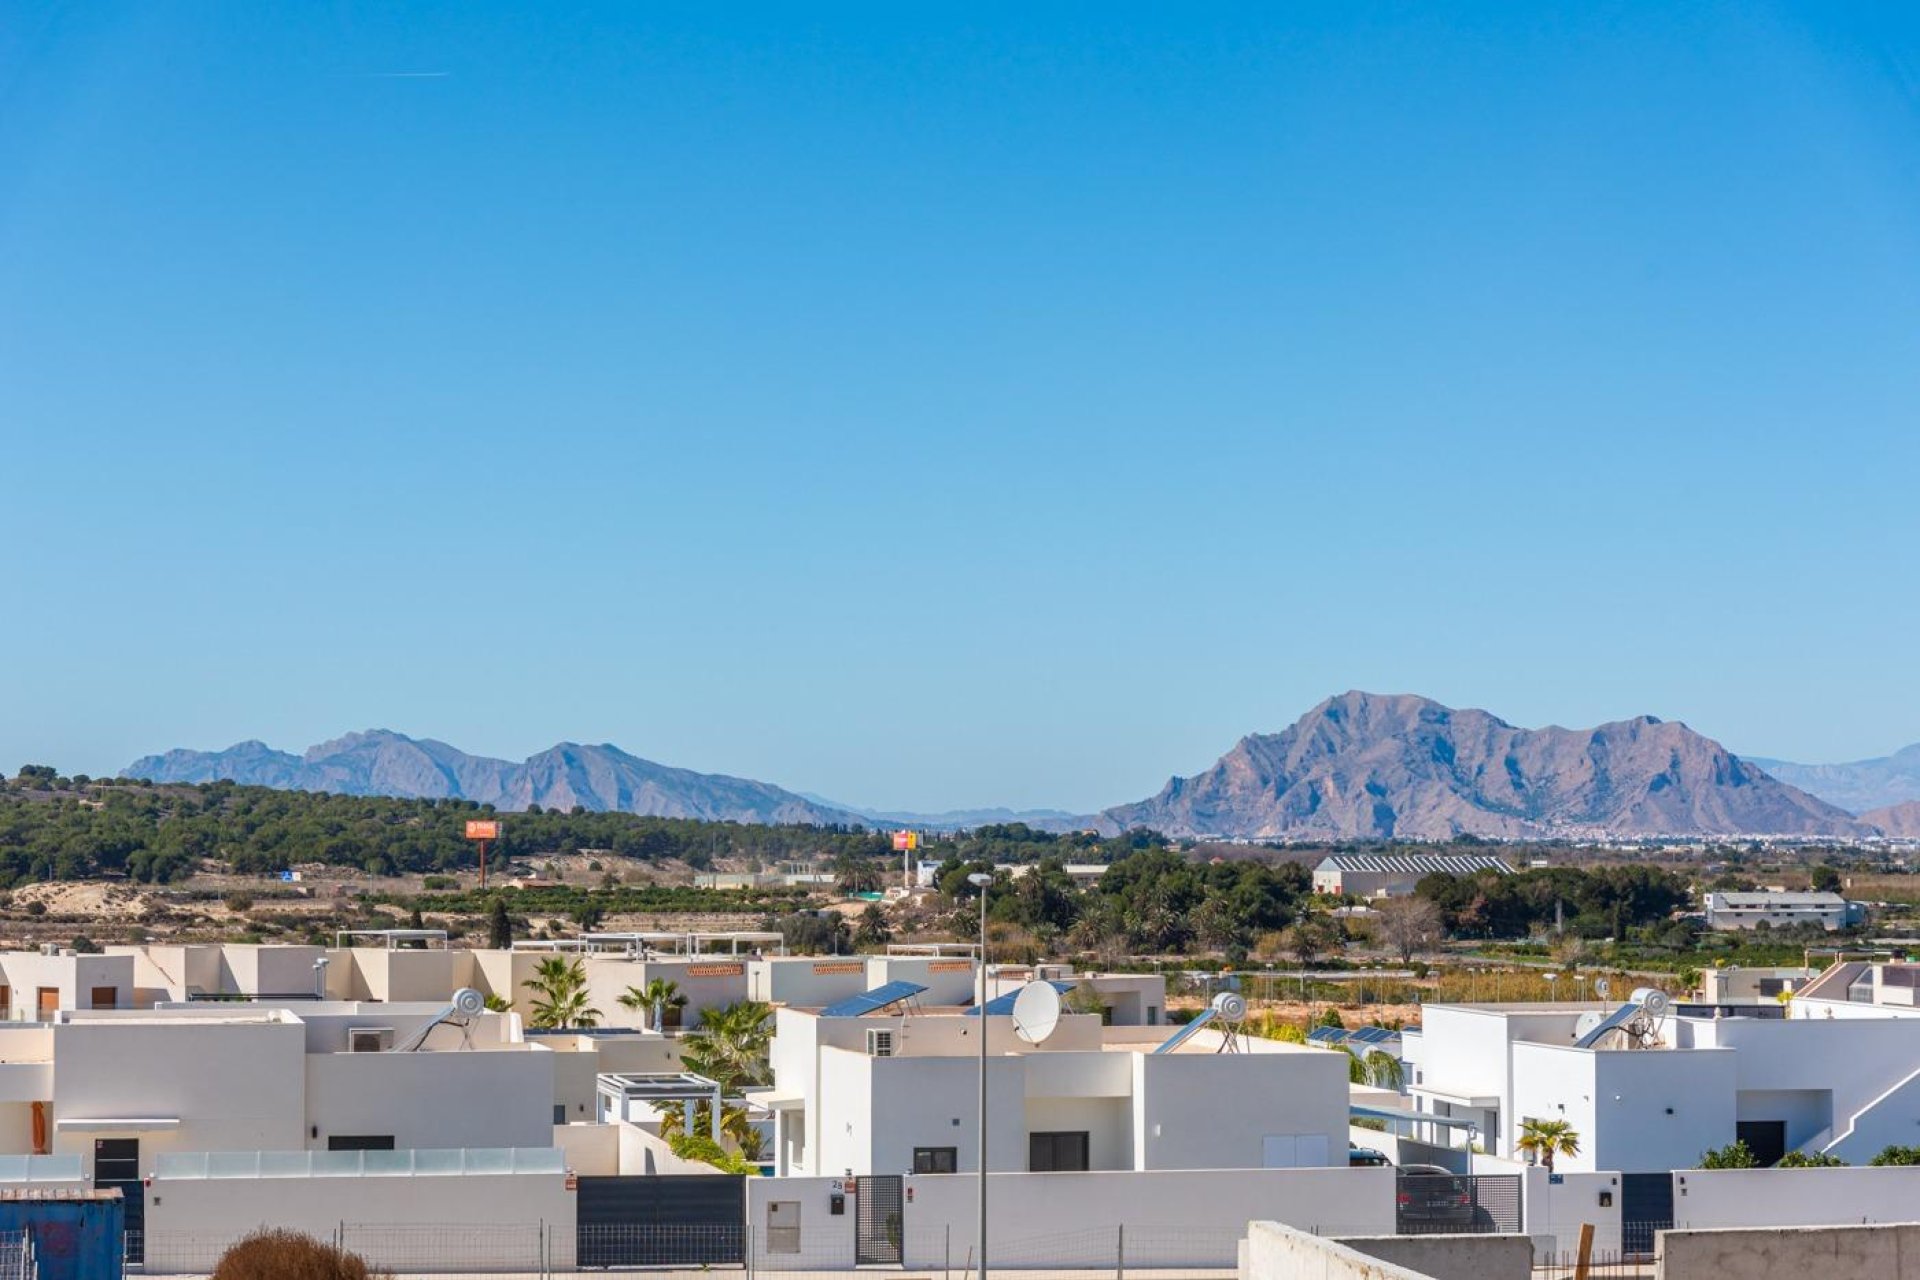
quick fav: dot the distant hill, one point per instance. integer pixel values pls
(1899, 820)
(1365, 765)
(1054, 820)
(379, 762)
(1858, 785)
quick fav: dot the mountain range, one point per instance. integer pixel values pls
(1383, 766)
(380, 762)
(1857, 786)
(1357, 766)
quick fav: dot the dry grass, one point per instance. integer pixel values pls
(288, 1255)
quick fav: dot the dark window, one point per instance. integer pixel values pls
(936, 1160)
(360, 1142)
(559, 1113)
(116, 1160)
(1057, 1152)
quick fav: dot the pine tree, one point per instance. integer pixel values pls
(499, 928)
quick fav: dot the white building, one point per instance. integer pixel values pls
(1395, 875)
(895, 1092)
(1780, 910)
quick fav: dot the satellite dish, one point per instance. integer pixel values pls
(1601, 986)
(1036, 1011)
(1588, 1021)
(1230, 1005)
(1652, 999)
(469, 1003)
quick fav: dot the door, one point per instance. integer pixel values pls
(1057, 1152)
(1767, 1139)
(116, 1163)
(46, 1002)
(878, 1228)
(661, 1220)
(783, 1226)
(104, 998)
(1646, 1209)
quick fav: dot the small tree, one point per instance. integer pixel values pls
(1376, 1067)
(499, 925)
(1897, 1154)
(1546, 1139)
(1409, 925)
(658, 996)
(1735, 1155)
(288, 1255)
(560, 998)
(1810, 1160)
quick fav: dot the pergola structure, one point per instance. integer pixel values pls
(394, 937)
(616, 1090)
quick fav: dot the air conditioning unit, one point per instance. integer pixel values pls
(369, 1039)
(880, 1042)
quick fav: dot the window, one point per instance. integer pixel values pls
(559, 1113)
(936, 1160)
(360, 1142)
(1057, 1152)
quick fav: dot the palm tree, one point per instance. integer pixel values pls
(1547, 1139)
(559, 986)
(1376, 1067)
(658, 996)
(730, 1045)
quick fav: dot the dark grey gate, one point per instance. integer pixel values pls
(878, 1225)
(1448, 1203)
(1646, 1209)
(658, 1220)
(116, 1163)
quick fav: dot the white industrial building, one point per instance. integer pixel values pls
(1781, 910)
(1395, 875)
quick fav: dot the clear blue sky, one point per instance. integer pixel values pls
(953, 406)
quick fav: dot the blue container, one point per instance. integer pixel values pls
(76, 1234)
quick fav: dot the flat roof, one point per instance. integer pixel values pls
(392, 936)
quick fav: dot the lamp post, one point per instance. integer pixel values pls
(980, 880)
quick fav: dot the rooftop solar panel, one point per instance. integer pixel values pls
(1001, 1006)
(1327, 1035)
(1373, 1035)
(873, 1001)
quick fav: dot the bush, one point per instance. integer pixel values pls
(1810, 1160)
(1735, 1155)
(1897, 1155)
(288, 1255)
(436, 884)
(699, 1146)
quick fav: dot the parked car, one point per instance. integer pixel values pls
(1430, 1196)
(1366, 1158)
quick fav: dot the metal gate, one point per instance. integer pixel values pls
(1449, 1203)
(878, 1225)
(116, 1163)
(661, 1220)
(1646, 1209)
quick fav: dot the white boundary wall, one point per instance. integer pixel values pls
(1705, 1199)
(1187, 1217)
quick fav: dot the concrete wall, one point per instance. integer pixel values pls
(1275, 1251)
(1715, 1198)
(1451, 1257)
(1635, 1110)
(1791, 1253)
(591, 1149)
(501, 1098)
(477, 1222)
(1215, 1111)
(806, 982)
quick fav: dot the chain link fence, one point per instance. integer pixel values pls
(16, 1256)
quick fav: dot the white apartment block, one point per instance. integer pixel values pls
(1781, 910)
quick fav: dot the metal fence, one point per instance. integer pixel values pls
(1612, 1265)
(540, 1250)
(16, 1256)
(1457, 1204)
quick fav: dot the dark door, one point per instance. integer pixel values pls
(661, 1220)
(1646, 1209)
(1057, 1152)
(116, 1163)
(1767, 1139)
(879, 1228)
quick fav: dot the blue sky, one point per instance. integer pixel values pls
(933, 407)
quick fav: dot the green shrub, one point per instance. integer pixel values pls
(1735, 1155)
(699, 1146)
(1897, 1155)
(1810, 1160)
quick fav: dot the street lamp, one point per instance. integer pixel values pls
(980, 880)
